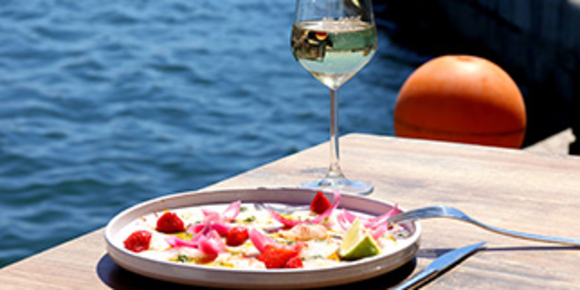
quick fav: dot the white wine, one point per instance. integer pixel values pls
(334, 50)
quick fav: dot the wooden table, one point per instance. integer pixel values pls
(506, 188)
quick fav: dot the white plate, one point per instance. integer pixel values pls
(256, 278)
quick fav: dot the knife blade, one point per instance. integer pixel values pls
(440, 264)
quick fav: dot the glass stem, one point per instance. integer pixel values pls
(334, 171)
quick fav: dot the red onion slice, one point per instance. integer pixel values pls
(221, 228)
(177, 242)
(343, 220)
(379, 231)
(194, 229)
(346, 218)
(208, 247)
(382, 219)
(232, 211)
(260, 240)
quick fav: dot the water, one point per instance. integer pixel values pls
(106, 104)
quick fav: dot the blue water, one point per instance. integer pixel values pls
(104, 104)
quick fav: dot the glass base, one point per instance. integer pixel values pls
(341, 184)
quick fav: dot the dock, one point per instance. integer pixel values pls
(558, 144)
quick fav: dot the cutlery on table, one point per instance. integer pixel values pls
(439, 265)
(450, 212)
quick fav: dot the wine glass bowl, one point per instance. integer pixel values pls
(334, 40)
(333, 51)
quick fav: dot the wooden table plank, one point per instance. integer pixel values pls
(507, 188)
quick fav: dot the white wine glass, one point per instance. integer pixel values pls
(334, 40)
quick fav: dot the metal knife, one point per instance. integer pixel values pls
(440, 264)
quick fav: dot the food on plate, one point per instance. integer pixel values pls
(320, 203)
(236, 236)
(358, 243)
(169, 223)
(138, 241)
(246, 236)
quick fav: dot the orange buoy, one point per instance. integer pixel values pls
(463, 99)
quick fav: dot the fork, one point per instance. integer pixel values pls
(450, 212)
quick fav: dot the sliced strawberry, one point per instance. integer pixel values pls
(277, 255)
(236, 236)
(294, 262)
(138, 241)
(170, 223)
(319, 203)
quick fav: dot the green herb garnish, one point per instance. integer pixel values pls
(183, 258)
(313, 258)
(250, 219)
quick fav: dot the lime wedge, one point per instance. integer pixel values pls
(357, 243)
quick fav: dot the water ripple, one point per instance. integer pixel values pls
(108, 103)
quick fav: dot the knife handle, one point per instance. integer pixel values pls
(417, 280)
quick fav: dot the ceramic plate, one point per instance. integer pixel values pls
(256, 278)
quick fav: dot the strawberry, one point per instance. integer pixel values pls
(277, 255)
(170, 223)
(236, 236)
(294, 262)
(319, 203)
(138, 241)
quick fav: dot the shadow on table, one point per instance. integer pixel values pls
(535, 248)
(435, 253)
(120, 279)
